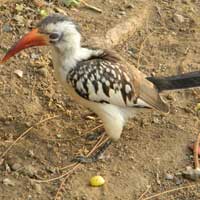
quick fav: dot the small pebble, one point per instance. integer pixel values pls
(15, 166)
(1, 161)
(169, 177)
(119, 16)
(38, 188)
(8, 182)
(51, 169)
(7, 168)
(170, 97)
(28, 123)
(19, 7)
(31, 153)
(192, 174)
(179, 181)
(121, 9)
(156, 120)
(122, 13)
(7, 122)
(130, 6)
(43, 72)
(34, 56)
(179, 18)
(7, 28)
(20, 19)
(59, 136)
(178, 174)
(133, 50)
(19, 73)
(30, 171)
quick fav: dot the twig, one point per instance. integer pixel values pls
(98, 144)
(144, 193)
(25, 133)
(196, 149)
(170, 191)
(67, 166)
(75, 165)
(66, 175)
(33, 88)
(91, 7)
(59, 191)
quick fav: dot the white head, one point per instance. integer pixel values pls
(63, 34)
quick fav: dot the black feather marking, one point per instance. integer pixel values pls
(105, 89)
(123, 90)
(85, 85)
(81, 93)
(104, 101)
(129, 95)
(123, 95)
(95, 84)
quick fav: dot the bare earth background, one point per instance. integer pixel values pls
(152, 147)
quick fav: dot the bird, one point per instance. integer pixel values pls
(100, 79)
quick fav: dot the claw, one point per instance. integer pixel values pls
(93, 158)
(82, 159)
(93, 136)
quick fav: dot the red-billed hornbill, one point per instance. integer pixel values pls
(99, 79)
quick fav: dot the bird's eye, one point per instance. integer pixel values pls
(54, 36)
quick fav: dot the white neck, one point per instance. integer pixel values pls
(68, 59)
(64, 61)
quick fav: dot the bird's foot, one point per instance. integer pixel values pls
(94, 136)
(95, 157)
(84, 159)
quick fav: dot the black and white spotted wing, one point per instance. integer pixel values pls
(102, 81)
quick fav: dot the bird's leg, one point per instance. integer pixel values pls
(94, 135)
(95, 157)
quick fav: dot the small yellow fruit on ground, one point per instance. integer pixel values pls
(197, 108)
(97, 181)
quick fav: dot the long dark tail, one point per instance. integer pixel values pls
(182, 81)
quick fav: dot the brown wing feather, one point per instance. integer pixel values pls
(143, 88)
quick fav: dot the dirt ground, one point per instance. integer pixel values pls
(152, 151)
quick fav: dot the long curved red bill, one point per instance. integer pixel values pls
(33, 38)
